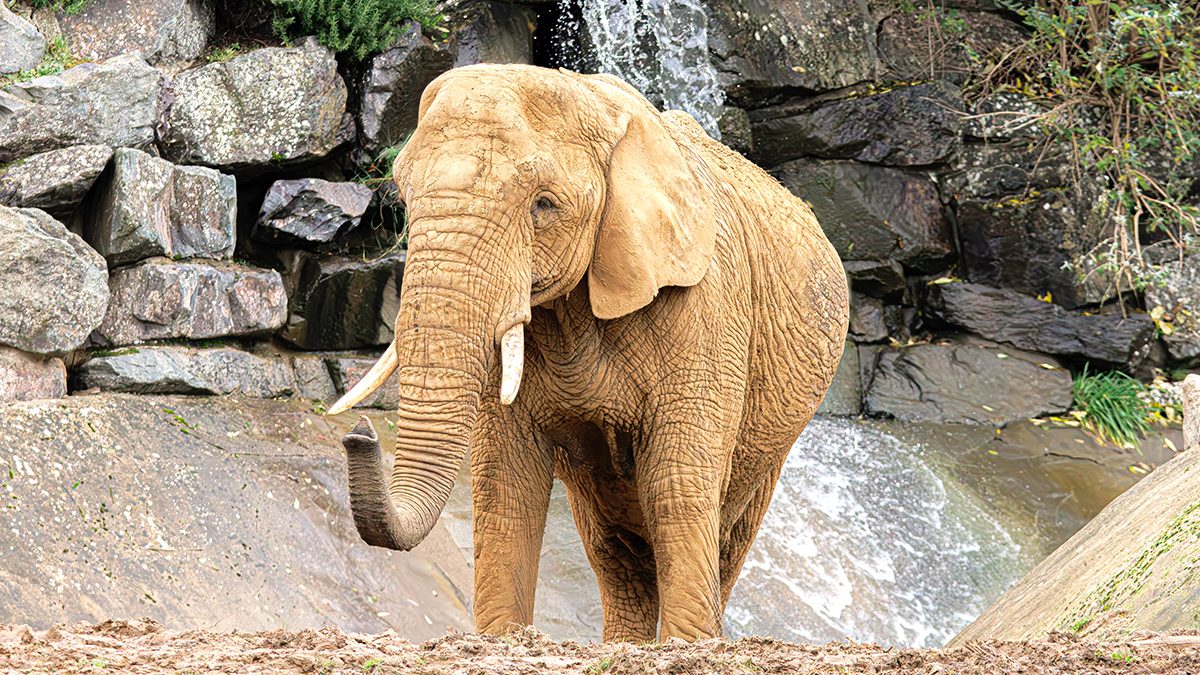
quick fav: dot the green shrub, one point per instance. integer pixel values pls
(65, 6)
(358, 28)
(1111, 407)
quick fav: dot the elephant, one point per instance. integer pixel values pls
(598, 292)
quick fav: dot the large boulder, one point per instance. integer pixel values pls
(934, 44)
(1007, 316)
(150, 207)
(111, 103)
(26, 377)
(905, 126)
(180, 370)
(54, 181)
(53, 287)
(872, 212)
(492, 32)
(392, 86)
(270, 107)
(160, 299)
(966, 382)
(1177, 293)
(308, 212)
(345, 303)
(166, 30)
(759, 48)
(21, 45)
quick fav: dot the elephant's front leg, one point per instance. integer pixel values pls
(511, 476)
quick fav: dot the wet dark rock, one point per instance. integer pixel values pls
(1007, 316)
(53, 287)
(150, 207)
(969, 382)
(876, 278)
(999, 170)
(161, 31)
(111, 103)
(26, 377)
(492, 32)
(392, 89)
(904, 323)
(1023, 244)
(313, 379)
(925, 45)
(1178, 294)
(181, 370)
(734, 125)
(1003, 116)
(345, 303)
(347, 371)
(874, 213)
(54, 181)
(907, 126)
(21, 45)
(310, 211)
(270, 107)
(816, 45)
(844, 398)
(160, 298)
(866, 318)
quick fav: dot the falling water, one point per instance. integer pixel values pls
(658, 46)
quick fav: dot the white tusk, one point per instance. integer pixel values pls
(512, 362)
(379, 373)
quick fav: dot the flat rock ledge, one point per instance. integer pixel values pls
(181, 370)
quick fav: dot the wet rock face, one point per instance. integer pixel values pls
(26, 377)
(906, 126)
(392, 89)
(972, 382)
(492, 32)
(159, 299)
(347, 371)
(21, 45)
(867, 323)
(54, 181)
(310, 211)
(1179, 297)
(166, 30)
(111, 103)
(1029, 323)
(53, 287)
(149, 207)
(179, 370)
(873, 213)
(1000, 170)
(269, 107)
(923, 45)
(809, 44)
(345, 303)
(876, 278)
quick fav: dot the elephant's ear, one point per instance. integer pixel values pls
(658, 228)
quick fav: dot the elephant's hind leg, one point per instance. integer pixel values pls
(741, 535)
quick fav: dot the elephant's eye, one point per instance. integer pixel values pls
(543, 204)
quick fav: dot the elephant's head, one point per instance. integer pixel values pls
(517, 182)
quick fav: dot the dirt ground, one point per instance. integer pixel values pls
(143, 646)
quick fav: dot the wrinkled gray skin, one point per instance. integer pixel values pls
(683, 313)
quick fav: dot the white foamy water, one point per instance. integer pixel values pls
(864, 540)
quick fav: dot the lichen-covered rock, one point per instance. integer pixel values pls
(1002, 170)
(345, 303)
(26, 377)
(54, 181)
(919, 45)
(150, 207)
(162, 31)
(160, 299)
(392, 89)
(819, 45)
(492, 32)
(844, 398)
(1007, 316)
(111, 103)
(21, 45)
(970, 382)
(53, 287)
(1002, 116)
(905, 126)
(347, 371)
(268, 107)
(1178, 296)
(313, 379)
(309, 211)
(180, 370)
(872, 212)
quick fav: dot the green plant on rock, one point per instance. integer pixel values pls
(1120, 84)
(57, 58)
(1109, 404)
(357, 28)
(64, 6)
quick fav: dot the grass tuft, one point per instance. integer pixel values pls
(1111, 407)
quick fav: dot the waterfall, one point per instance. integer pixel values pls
(658, 46)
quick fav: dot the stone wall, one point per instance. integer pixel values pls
(173, 225)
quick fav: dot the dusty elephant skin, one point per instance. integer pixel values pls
(682, 316)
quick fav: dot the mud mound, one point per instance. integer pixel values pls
(144, 646)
